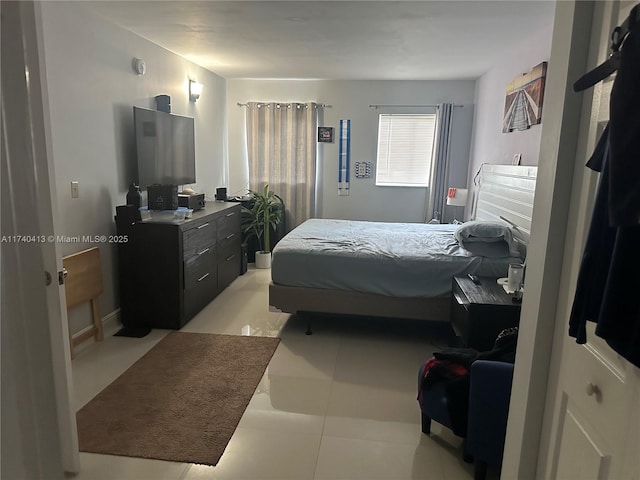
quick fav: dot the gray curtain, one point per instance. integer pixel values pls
(281, 149)
(439, 180)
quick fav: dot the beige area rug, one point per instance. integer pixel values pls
(180, 402)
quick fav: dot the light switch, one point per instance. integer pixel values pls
(75, 189)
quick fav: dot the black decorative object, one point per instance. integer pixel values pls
(221, 194)
(134, 197)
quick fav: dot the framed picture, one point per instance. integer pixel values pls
(325, 134)
(523, 103)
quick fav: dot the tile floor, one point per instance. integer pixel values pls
(339, 404)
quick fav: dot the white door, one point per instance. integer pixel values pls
(592, 422)
(39, 434)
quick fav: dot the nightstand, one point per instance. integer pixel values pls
(480, 312)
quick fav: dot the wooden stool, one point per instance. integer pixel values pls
(83, 284)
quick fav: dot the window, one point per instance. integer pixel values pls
(405, 148)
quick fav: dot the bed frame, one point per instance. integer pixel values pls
(505, 194)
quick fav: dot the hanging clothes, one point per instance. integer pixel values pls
(624, 196)
(606, 290)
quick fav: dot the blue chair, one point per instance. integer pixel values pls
(434, 406)
(488, 409)
(489, 396)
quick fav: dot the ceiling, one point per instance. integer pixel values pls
(355, 40)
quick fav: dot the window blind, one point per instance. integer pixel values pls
(405, 149)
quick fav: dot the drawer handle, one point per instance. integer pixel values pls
(229, 258)
(230, 236)
(231, 214)
(203, 277)
(203, 225)
(203, 251)
(592, 389)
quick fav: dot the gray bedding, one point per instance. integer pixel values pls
(393, 259)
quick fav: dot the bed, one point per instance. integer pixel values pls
(401, 270)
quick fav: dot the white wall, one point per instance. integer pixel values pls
(489, 144)
(351, 100)
(92, 90)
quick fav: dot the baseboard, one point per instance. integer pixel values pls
(110, 324)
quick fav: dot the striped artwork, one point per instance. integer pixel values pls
(344, 157)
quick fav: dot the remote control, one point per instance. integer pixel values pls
(474, 279)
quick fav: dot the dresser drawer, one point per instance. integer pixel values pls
(199, 267)
(228, 225)
(200, 294)
(231, 241)
(228, 264)
(197, 239)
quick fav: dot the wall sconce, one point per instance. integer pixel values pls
(195, 89)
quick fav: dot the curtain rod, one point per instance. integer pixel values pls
(410, 106)
(318, 104)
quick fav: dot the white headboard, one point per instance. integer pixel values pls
(505, 194)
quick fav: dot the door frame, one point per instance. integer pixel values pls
(550, 222)
(40, 366)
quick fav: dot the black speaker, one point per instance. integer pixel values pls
(162, 197)
(163, 103)
(221, 194)
(244, 260)
(194, 202)
(126, 216)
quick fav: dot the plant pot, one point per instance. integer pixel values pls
(263, 259)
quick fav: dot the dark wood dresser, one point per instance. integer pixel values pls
(169, 271)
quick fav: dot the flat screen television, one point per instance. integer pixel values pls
(165, 145)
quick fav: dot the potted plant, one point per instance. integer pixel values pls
(258, 220)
